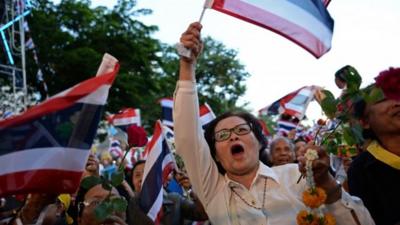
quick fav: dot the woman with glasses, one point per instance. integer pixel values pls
(224, 167)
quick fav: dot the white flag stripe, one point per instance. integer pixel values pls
(98, 97)
(167, 103)
(127, 120)
(290, 12)
(152, 158)
(206, 118)
(44, 158)
(155, 208)
(168, 123)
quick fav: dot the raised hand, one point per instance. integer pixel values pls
(191, 40)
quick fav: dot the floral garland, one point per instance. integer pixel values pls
(313, 197)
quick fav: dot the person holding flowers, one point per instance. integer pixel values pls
(374, 175)
(224, 168)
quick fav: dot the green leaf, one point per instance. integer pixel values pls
(89, 182)
(119, 204)
(106, 185)
(328, 105)
(117, 178)
(348, 136)
(332, 147)
(353, 150)
(375, 95)
(103, 210)
(328, 94)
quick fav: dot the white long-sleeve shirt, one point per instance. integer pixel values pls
(282, 199)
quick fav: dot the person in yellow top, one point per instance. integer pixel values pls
(374, 175)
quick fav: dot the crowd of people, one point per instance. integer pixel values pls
(230, 174)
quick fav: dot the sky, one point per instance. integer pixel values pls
(366, 36)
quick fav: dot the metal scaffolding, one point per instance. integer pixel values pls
(12, 36)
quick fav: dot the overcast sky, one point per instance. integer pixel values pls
(366, 36)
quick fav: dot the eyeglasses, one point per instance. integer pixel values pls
(92, 203)
(225, 134)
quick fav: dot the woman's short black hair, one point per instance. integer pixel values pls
(137, 163)
(359, 108)
(255, 125)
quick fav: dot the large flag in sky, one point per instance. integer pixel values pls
(46, 148)
(294, 103)
(159, 164)
(167, 104)
(305, 22)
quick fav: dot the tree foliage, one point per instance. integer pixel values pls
(71, 37)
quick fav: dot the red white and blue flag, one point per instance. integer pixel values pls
(167, 104)
(125, 117)
(305, 22)
(46, 148)
(293, 104)
(206, 115)
(159, 164)
(284, 127)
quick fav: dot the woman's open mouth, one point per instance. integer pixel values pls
(237, 149)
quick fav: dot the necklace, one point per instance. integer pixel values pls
(263, 210)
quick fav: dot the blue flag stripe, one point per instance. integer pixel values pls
(317, 9)
(166, 113)
(52, 130)
(153, 183)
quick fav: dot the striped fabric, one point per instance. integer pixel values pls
(305, 22)
(167, 104)
(46, 148)
(126, 117)
(294, 103)
(206, 115)
(284, 127)
(159, 164)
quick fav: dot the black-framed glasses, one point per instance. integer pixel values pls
(225, 134)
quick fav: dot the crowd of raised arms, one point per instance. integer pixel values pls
(231, 173)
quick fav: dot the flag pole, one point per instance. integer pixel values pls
(182, 51)
(202, 13)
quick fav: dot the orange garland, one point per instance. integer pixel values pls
(313, 198)
(306, 218)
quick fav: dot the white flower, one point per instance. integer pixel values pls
(311, 154)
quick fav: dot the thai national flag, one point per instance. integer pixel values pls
(284, 127)
(206, 115)
(294, 103)
(159, 164)
(46, 148)
(126, 117)
(305, 22)
(167, 104)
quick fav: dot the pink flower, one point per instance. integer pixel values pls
(137, 136)
(389, 82)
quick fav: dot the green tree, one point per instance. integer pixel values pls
(71, 37)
